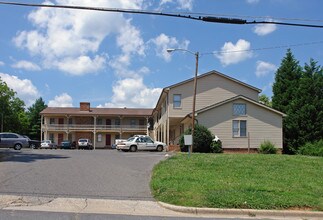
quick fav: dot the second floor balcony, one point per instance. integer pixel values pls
(91, 127)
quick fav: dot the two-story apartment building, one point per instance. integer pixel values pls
(101, 125)
(228, 107)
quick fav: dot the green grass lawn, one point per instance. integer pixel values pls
(253, 181)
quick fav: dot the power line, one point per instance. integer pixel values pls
(189, 16)
(263, 48)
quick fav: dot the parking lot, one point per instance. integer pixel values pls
(77, 173)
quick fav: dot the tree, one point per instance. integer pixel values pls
(202, 139)
(308, 104)
(284, 92)
(12, 108)
(35, 119)
(265, 100)
(298, 92)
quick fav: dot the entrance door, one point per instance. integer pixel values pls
(60, 139)
(61, 121)
(108, 140)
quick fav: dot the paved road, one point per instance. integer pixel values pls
(77, 173)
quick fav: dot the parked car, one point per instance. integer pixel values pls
(84, 143)
(13, 140)
(48, 144)
(66, 144)
(140, 142)
(33, 144)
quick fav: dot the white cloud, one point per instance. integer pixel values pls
(252, 1)
(81, 65)
(263, 68)
(63, 100)
(2, 63)
(26, 65)
(163, 42)
(264, 29)
(131, 92)
(234, 53)
(24, 88)
(181, 4)
(61, 36)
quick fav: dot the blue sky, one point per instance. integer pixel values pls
(120, 60)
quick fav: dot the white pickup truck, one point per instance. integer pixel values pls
(140, 142)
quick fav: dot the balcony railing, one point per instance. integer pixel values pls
(84, 127)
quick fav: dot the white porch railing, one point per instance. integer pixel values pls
(82, 127)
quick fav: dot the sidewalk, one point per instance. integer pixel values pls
(142, 208)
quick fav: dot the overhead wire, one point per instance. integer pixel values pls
(262, 48)
(189, 16)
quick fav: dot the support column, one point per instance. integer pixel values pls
(94, 132)
(147, 132)
(41, 127)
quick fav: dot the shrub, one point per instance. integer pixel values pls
(216, 146)
(312, 149)
(201, 141)
(267, 148)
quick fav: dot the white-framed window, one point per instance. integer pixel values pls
(239, 109)
(99, 137)
(177, 100)
(239, 128)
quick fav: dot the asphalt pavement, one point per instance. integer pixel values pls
(78, 173)
(81, 184)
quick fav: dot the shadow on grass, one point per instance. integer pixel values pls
(26, 156)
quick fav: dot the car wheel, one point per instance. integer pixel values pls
(133, 148)
(17, 147)
(32, 146)
(159, 148)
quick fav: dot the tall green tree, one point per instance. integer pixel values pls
(285, 87)
(12, 110)
(35, 119)
(308, 104)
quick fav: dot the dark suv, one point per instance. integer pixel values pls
(12, 140)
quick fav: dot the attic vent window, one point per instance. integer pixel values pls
(239, 109)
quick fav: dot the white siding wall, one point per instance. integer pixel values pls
(210, 89)
(262, 124)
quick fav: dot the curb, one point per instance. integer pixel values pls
(244, 212)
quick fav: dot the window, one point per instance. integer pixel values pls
(177, 101)
(51, 137)
(239, 128)
(117, 121)
(133, 123)
(99, 137)
(99, 121)
(70, 121)
(52, 121)
(239, 109)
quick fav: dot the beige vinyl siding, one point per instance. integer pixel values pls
(262, 124)
(211, 89)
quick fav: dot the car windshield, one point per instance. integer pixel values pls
(46, 142)
(82, 140)
(131, 139)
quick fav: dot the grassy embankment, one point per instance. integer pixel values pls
(240, 181)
